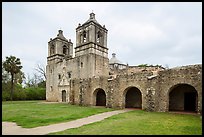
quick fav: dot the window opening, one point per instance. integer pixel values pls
(64, 49)
(84, 36)
(69, 74)
(98, 37)
(52, 49)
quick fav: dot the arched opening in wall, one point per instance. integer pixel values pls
(98, 37)
(133, 98)
(84, 36)
(183, 97)
(63, 96)
(100, 96)
(52, 50)
(64, 50)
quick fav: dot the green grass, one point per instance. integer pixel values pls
(29, 114)
(139, 122)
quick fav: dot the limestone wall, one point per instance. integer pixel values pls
(190, 75)
(154, 89)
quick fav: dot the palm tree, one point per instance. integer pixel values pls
(13, 66)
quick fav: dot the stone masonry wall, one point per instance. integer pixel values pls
(190, 75)
(154, 88)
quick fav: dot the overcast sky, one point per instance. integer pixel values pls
(168, 34)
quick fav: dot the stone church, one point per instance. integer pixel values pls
(90, 78)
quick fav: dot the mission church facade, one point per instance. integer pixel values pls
(89, 78)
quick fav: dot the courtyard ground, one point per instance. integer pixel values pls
(39, 117)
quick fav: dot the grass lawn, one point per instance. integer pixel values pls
(30, 114)
(139, 122)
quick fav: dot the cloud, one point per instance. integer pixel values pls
(153, 33)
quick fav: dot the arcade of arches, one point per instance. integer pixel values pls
(133, 98)
(182, 97)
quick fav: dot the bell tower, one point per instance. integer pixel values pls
(91, 48)
(92, 37)
(59, 48)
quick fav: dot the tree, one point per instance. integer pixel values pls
(41, 70)
(41, 75)
(34, 80)
(19, 77)
(5, 75)
(13, 66)
(143, 65)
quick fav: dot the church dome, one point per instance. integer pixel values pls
(114, 60)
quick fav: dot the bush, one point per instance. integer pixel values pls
(20, 93)
(5, 96)
(35, 93)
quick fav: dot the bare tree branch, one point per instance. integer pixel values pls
(41, 70)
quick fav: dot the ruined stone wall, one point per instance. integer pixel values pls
(152, 93)
(135, 69)
(155, 89)
(119, 86)
(190, 75)
(84, 90)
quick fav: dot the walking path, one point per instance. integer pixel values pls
(10, 128)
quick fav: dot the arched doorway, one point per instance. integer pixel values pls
(100, 96)
(183, 97)
(63, 96)
(133, 98)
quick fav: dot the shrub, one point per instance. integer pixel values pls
(35, 93)
(20, 93)
(5, 96)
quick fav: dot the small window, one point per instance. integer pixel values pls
(81, 64)
(69, 74)
(51, 88)
(59, 76)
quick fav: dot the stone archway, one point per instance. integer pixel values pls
(133, 98)
(100, 97)
(63, 96)
(183, 97)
